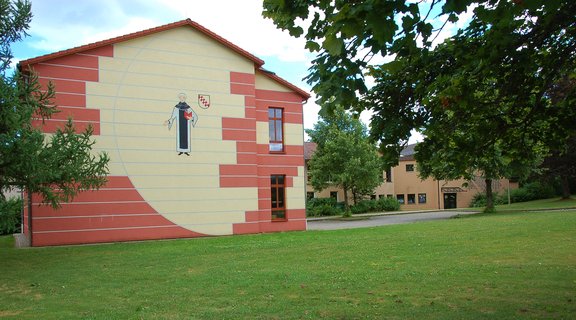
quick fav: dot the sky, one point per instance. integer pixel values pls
(62, 24)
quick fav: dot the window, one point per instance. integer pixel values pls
(334, 194)
(380, 196)
(389, 196)
(421, 198)
(409, 167)
(411, 198)
(276, 129)
(277, 186)
(372, 197)
(400, 198)
(389, 175)
(309, 195)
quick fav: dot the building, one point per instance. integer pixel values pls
(402, 182)
(203, 141)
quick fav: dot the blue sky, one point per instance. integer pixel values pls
(63, 24)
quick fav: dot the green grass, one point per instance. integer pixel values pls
(499, 266)
(553, 203)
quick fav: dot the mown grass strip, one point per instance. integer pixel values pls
(500, 266)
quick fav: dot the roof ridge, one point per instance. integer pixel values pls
(141, 33)
(186, 22)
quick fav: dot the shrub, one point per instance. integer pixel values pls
(362, 206)
(532, 191)
(382, 204)
(520, 195)
(10, 216)
(479, 200)
(388, 204)
(318, 207)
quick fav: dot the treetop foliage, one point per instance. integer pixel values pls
(55, 166)
(344, 156)
(491, 99)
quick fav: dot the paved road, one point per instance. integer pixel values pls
(382, 220)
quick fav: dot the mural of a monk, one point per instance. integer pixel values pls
(185, 118)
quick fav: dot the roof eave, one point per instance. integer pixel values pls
(187, 22)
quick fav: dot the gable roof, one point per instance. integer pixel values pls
(309, 149)
(187, 22)
(407, 154)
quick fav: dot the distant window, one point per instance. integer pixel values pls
(421, 198)
(400, 198)
(309, 195)
(277, 187)
(334, 194)
(411, 198)
(389, 196)
(389, 175)
(409, 167)
(373, 197)
(276, 129)
(380, 196)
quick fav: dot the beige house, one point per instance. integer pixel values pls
(402, 182)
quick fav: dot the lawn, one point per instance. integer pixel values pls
(553, 203)
(500, 266)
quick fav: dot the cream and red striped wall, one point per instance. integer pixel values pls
(126, 91)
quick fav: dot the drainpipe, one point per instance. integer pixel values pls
(22, 211)
(438, 181)
(30, 216)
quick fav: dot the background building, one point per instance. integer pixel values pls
(402, 182)
(202, 140)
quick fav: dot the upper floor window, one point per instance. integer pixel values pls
(409, 167)
(389, 175)
(276, 129)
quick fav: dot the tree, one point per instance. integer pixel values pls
(561, 163)
(58, 166)
(468, 127)
(486, 99)
(344, 155)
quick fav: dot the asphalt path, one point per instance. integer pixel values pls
(382, 220)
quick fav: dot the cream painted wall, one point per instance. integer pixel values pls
(137, 91)
(265, 83)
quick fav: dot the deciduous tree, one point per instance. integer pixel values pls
(344, 155)
(487, 99)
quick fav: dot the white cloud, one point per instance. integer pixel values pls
(58, 24)
(242, 23)
(62, 24)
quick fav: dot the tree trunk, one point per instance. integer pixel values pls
(489, 196)
(565, 187)
(346, 205)
(347, 212)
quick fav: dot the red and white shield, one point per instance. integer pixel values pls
(204, 101)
